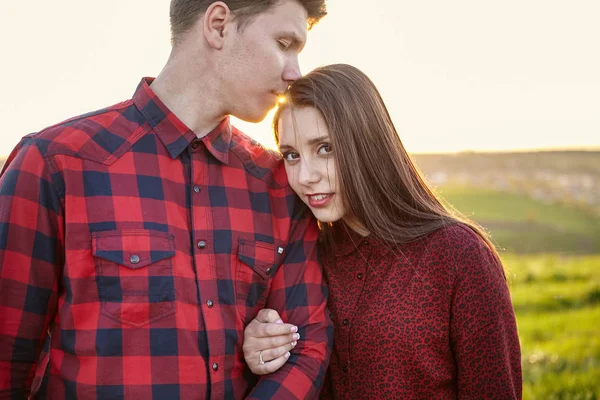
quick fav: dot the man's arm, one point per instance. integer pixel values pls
(30, 256)
(299, 294)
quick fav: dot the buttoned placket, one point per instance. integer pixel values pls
(204, 262)
(357, 279)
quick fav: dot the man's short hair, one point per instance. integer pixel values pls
(185, 13)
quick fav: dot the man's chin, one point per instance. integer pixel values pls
(255, 116)
(253, 119)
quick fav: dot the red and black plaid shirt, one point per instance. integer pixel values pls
(139, 253)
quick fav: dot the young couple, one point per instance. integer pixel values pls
(148, 248)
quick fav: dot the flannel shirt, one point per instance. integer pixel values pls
(138, 253)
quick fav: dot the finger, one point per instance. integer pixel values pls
(271, 366)
(252, 344)
(270, 330)
(267, 315)
(262, 329)
(273, 342)
(277, 352)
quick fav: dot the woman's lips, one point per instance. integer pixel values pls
(320, 199)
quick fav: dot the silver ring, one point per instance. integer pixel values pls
(260, 360)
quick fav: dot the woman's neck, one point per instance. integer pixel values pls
(355, 225)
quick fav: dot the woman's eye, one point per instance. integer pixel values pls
(284, 44)
(290, 156)
(324, 149)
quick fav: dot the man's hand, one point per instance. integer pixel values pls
(268, 339)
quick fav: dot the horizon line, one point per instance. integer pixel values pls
(575, 149)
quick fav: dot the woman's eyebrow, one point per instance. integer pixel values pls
(318, 139)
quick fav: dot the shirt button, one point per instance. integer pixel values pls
(134, 259)
(201, 244)
(209, 303)
(346, 322)
(197, 189)
(195, 144)
(359, 276)
(268, 271)
(215, 366)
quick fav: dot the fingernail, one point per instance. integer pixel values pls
(296, 336)
(279, 321)
(294, 329)
(287, 355)
(294, 343)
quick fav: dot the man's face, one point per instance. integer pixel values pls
(261, 60)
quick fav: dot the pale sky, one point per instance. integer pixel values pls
(455, 75)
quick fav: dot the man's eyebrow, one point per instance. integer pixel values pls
(296, 38)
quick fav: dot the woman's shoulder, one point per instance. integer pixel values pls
(460, 246)
(457, 235)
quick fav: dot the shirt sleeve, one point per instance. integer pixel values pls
(30, 254)
(484, 334)
(299, 294)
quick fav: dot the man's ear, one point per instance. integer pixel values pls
(217, 19)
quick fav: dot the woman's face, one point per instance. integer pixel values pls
(309, 162)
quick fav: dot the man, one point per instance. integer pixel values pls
(138, 241)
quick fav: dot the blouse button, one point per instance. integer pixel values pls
(134, 259)
(359, 276)
(195, 144)
(197, 189)
(201, 244)
(346, 322)
(215, 366)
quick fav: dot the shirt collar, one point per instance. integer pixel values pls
(173, 133)
(218, 140)
(346, 240)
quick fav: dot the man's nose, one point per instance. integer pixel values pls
(292, 70)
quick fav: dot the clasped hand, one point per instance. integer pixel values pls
(268, 342)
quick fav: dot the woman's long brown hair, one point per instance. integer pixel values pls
(389, 196)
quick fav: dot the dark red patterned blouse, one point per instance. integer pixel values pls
(431, 319)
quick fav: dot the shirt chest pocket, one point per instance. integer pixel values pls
(257, 263)
(135, 274)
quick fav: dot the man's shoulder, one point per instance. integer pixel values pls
(261, 162)
(97, 135)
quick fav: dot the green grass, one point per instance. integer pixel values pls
(522, 225)
(557, 302)
(490, 205)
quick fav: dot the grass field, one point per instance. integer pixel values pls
(553, 261)
(557, 302)
(522, 225)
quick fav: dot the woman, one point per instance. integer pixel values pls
(418, 294)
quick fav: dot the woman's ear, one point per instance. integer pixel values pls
(217, 19)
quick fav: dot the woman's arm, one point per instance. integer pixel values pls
(484, 333)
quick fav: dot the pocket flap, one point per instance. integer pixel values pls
(133, 248)
(262, 257)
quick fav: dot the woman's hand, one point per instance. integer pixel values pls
(268, 342)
